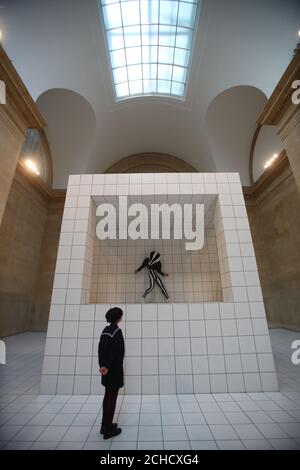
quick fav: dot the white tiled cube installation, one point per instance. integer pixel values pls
(179, 347)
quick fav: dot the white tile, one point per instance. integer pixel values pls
(152, 445)
(247, 431)
(149, 312)
(183, 365)
(215, 418)
(182, 347)
(86, 329)
(272, 430)
(247, 344)
(237, 417)
(128, 434)
(252, 382)
(235, 382)
(54, 329)
(231, 345)
(164, 312)
(230, 444)
(149, 433)
(193, 418)
(27, 433)
(77, 433)
(249, 362)
(174, 433)
(284, 444)
(218, 383)
(292, 429)
(150, 384)
(216, 364)
(133, 384)
(65, 384)
(200, 364)
(184, 383)
(167, 384)
(150, 346)
(215, 345)
(63, 419)
(180, 312)
(227, 311)
(203, 445)
(201, 383)
(244, 326)
(53, 433)
(233, 363)
(223, 432)
(197, 328)
(133, 365)
(196, 311)
(149, 329)
(213, 327)
(199, 346)
(165, 329)
(181, 329)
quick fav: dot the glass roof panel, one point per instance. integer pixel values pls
(155, 33)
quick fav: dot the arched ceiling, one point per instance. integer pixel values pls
(71, 132)
(231, 124)
(59, 44)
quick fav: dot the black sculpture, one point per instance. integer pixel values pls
(153, 265)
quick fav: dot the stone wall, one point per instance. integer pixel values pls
(11, 140)
(275, 225)
(17, 115)
(21, 235)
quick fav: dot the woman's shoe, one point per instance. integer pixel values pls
(112, 432)
(102, 430)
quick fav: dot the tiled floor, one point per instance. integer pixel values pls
(221, 421)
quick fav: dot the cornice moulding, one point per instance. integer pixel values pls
(281, 98)
(18, 95)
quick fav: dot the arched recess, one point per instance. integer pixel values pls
(36, 149)
(71, 132)
(265, 144)
(231, 123)
(150, 163)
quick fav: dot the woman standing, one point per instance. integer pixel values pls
(111, 355)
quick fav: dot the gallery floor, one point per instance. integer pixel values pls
(221, 421)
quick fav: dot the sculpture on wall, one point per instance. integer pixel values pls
(153, 265)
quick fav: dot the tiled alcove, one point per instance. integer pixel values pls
(194, 275)
(178, 347)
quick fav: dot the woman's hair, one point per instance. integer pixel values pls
(113, 314)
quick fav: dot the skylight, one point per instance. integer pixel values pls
(149, 44)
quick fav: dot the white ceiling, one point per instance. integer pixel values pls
(57, 46)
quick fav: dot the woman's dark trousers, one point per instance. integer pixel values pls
(109, 406)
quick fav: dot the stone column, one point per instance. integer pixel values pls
(282, 112)
(17, 115)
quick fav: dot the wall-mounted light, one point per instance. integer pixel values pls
(32, 166)
(298, 45)
(270, 161)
